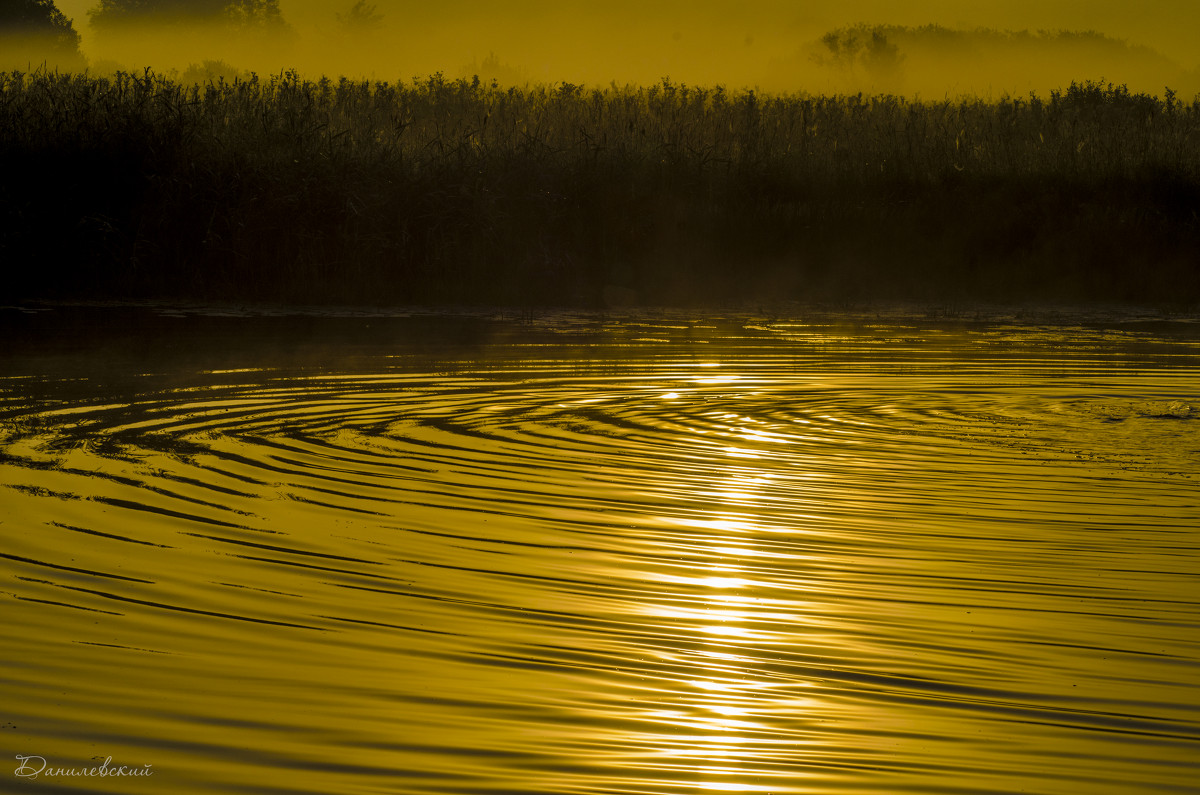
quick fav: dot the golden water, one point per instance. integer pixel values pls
(650, 554)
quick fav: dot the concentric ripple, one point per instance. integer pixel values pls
(595, 555)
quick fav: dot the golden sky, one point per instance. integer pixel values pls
(768, 43)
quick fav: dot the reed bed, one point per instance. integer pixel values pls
(437, 190)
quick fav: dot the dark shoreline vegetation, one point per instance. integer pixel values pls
(454, 191)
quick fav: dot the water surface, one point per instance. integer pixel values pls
(654, 553)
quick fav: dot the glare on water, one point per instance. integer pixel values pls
(641, 554)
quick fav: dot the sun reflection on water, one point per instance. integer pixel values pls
(735, 708)
(718, 725)
(722, 706)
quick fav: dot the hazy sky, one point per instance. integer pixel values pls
(698, 41)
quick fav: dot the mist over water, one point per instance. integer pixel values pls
(657, 552)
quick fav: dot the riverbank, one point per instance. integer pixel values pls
(438, 191)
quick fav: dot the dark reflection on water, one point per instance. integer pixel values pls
(640, 554)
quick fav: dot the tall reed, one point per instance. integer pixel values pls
(437, 190)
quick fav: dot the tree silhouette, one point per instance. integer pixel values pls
(45, 27)
(361, 15)
(862, 47)
(239, 13)
(253, 13)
